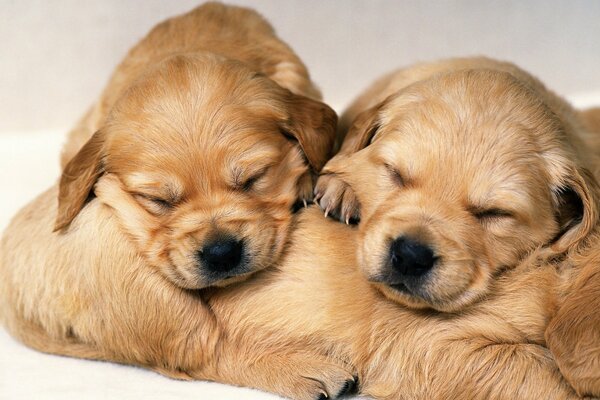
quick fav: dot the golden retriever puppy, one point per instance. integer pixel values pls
(203, 152)
(461, 169)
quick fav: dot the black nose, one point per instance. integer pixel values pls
(222, 255)
(410, 257)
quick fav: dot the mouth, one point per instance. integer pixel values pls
(401, 287)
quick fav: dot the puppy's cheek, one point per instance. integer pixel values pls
(181, 265)
(507, 246)
(266, 242)
(294, 181)
(455, 285)
(371, 256)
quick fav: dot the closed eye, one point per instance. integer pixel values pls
(249, 182)
(153, 204)
(490, 213)
(395, 175)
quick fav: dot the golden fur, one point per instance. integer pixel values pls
(205, 134)
(317, 294)
(302, 328)
(477, 159)
(211, 149)
(573, 334)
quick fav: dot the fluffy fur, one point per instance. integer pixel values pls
(198, 129)
(574, 333)
(319, 296)
(479, 161)
(205, 136)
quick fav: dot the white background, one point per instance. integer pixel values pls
(56, 55)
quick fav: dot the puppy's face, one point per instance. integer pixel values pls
(464, 175)
(203, 161)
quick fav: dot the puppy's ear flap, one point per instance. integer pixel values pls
(363, 128)
(313, 124)
(576, 208)
(77, 180)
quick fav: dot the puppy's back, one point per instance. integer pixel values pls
(39, 268)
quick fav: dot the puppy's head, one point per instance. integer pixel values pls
(202, 160)
(460, 177)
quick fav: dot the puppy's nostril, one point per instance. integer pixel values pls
(410, 257)
(222, 255)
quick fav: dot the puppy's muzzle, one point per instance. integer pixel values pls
(222, 255)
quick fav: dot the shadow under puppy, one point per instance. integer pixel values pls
(200, 155)
(466, 171)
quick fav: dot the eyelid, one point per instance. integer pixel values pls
(247, 183)
(488, 213)
(395, 174)
(162, 204)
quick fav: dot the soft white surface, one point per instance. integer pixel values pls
(28, 165)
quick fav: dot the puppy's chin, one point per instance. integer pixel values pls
(233, 280)
(400, 295)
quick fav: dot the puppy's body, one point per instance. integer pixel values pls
(495, 350)
(112, 306)
(233, 32)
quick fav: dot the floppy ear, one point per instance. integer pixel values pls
(313, 125)
(77, 180)
(576, 208)
(363, 129)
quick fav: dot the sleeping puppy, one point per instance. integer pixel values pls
(203, 152)
(462, 168)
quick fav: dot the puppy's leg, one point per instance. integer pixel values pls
(337, 199)
(573, 335)
(473, 369)
(298, 375)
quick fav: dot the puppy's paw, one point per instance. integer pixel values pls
(296, 375)
(317, 379)
(575, 344)
(337, 199)
(305, 191)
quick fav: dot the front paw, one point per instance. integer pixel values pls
(305, 191)
(337, 199)
(316, 378)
